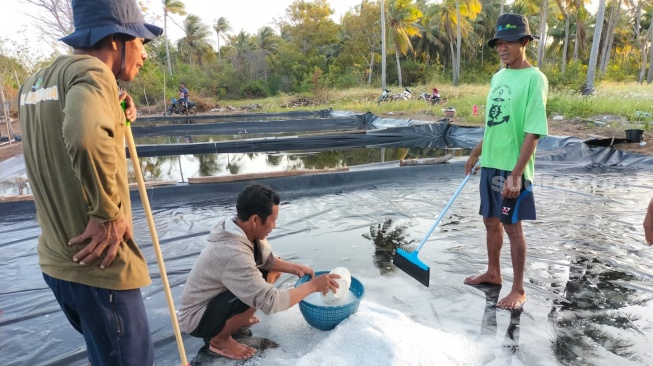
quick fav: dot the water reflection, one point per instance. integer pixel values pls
(15, 186)
(187, 139)
(386, 240)
(489, 323)
(178, 168)
(174, 168)
(208, 164)
(589, 323)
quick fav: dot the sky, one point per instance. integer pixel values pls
(247, 15)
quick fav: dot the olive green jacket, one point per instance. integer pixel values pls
(73, 141)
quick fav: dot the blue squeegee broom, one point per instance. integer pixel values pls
(409, 262)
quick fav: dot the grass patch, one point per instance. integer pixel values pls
(630, 101)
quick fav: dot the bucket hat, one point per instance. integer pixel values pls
(511, 27)
(96, 19)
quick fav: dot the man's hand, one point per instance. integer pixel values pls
(104, 238)
(511, 187)
(130, 107)
(304, 270)
(325, 282)
(471, 162)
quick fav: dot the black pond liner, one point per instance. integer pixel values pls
(209, 125)
(587, 273)
(439, 135)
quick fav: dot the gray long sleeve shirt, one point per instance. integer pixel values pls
(228, 263)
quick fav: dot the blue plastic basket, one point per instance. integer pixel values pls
(327, 317)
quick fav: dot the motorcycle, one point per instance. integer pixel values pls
(177, 107)
(404, 95)
(429, 98)
(384, 96)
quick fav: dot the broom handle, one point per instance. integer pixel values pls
(155, 241)
(446, 208)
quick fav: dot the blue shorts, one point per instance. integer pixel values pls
(113, 322)
(508, 210)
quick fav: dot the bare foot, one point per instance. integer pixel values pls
(484, 278)
(514, 301)
(232, 349)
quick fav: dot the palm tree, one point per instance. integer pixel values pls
(362, 38)
(221, 27)
(588, 88)
(582, 18)
(469, 9)
(403, 16)
(641, 33)
(174, 7)
(266, 42)
(194, 46)
(485, 23)
(564, 10)
(451, 13)
(243, 45)
(604, 57)
(430, 41)
(541, 49)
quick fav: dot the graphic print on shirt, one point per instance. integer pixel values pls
(500, 96)
(39, 94)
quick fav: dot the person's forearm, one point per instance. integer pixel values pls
(280, 265)
(297, 294)
(527, 150)
(648, 223)
(478, 149)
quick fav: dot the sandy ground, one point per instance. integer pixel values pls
(13, 149)
(601, 127)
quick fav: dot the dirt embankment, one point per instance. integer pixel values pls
(15, 148)
(597, 127)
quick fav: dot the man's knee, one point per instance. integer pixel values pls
(514, 230)
(492, 223)
(273, 276)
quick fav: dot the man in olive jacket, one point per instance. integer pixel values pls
(73, 141)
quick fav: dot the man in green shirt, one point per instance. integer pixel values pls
(516, 119)
(73, 141)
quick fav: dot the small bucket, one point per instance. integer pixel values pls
(634, 135)
(449, 112)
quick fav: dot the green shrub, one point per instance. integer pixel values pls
(572, 79)
(255, 89)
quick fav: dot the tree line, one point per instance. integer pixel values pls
(425, 43)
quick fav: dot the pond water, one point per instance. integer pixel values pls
(588, 276)
(188, 139)
(181, 167)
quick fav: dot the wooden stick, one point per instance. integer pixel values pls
(155, 241)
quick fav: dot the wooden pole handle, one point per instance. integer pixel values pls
(155, 241)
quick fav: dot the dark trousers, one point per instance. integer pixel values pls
(220, 309)
(113, 322)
